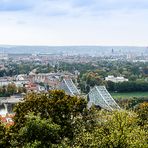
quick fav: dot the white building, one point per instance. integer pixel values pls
(116, 79)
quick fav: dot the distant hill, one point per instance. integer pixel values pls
(75, 50)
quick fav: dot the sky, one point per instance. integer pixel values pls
(74, 22)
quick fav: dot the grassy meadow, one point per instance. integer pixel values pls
(129, 95)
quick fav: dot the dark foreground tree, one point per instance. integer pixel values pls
(57, 120)
(62, 109)
(37, 132)
(2, 135)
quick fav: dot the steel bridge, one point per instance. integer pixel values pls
(69, 87)
(99, 96)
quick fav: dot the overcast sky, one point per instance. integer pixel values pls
(74, 22)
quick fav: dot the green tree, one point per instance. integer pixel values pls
(118, 129)
(21, 90)
(37, 132)
(142, 111)
(61, 108)
(4, 91)
(133, 78)
(11, 89)
(2, 135)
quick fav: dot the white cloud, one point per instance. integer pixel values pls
(61, 22)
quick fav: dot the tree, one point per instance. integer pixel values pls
(2, 135)
(4, 91)
(118, 129)
(133, 78)
(110, 86)
(21, 90)
(61, 108)
(37, 132)
(11, 89)
(55, 119)
(142, 111)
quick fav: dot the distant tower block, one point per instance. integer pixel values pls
(3, 55)
(112, 51)
(99, 96)
(69, 87)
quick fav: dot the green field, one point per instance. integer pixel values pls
(129, 94)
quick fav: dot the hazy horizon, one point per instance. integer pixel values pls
(72, 50)
(44, 45)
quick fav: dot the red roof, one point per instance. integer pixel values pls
(7, 120)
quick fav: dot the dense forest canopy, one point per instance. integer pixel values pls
(55, 119)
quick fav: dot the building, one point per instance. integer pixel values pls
(115, 79)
